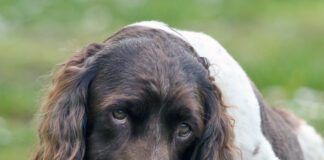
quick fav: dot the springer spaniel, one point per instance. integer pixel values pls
(152, 92)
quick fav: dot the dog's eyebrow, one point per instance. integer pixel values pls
(114, 99)
(186, 112)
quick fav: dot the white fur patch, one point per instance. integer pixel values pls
(310, 142)
(236, 89)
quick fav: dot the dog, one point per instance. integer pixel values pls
(158, 93)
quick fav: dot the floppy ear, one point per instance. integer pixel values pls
(63, 113)
(216, 142)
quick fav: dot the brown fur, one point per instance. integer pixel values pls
(279, 128)
(84, 88)
(60, 130)
(292, 120)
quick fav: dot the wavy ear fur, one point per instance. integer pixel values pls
(217, 141)
(63, 112)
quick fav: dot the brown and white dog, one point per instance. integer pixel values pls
(152, 92)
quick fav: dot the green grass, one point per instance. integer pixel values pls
(278, 43)
(21, 141)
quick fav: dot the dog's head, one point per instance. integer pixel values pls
(142, 94)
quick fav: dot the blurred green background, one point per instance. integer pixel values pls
(279, 43)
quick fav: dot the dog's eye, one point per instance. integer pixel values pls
(184, 130)
(119, 114)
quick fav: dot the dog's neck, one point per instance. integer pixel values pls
(236, 88)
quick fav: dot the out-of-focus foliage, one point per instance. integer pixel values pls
(279, 43)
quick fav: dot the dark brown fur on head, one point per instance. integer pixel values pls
(157, 80)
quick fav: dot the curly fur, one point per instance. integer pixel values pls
(62, 127)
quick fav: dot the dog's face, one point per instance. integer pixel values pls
(143, 95)
(145, 104)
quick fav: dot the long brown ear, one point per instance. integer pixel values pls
(217, 141)
(63, 113)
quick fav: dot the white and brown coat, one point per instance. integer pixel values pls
(261, 132)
